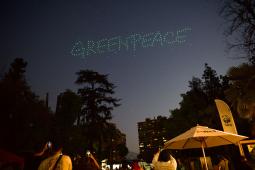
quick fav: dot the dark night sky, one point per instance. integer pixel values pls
(149, 81)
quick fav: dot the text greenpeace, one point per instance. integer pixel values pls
(130, 43)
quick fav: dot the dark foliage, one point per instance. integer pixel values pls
(240, 15)
(24, 118)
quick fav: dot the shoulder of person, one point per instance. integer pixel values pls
(172, 158)
(66, 157)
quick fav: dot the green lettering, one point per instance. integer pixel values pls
(114, 44)
(101, 46)
(147, 40)
(124, 43)
(90, 49)
(135, 38)
(78, 49)
(181, 35)
(157, 38)
(169, 38)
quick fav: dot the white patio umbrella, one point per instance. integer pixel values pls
(202, 137)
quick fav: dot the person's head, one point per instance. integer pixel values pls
(56, 146)
(56, 142)
(164, 156)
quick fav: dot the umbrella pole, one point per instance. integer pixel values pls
(204, 155)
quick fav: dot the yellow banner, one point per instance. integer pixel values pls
(226, 117)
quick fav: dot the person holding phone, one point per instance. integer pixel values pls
(93, 160)
(87, 162)
(57, 160)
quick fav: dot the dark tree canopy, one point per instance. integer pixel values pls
(97, 104)
(241, 92)
(24, 118)
(67, 109)
(96, 95)
(197, 105)
(80, 121)
(240, 15)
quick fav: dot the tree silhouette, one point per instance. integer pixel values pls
(67, 109)
(24, 118)
(97, 105)
(240, 15)
(197, 105)
(96, 96)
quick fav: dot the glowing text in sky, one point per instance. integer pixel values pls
(130, 43)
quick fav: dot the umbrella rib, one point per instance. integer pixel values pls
(226, 139)
(186, 143)
(201, 140)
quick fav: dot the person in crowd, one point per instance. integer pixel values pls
(163, 160)
(135, 165)
(93, 160)
(221, 163)
(87, 162)
(180, 165)
(34, 159)
(56, 160)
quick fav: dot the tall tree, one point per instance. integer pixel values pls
(197, 104)
(97, 104)
(240, 15)
(24, 118)
(96, 96)
(211, 84)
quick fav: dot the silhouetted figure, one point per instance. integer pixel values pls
(33, 160)
(87, 162)
(223, 162)
(180, 165)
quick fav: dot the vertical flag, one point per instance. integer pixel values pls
(226, 117)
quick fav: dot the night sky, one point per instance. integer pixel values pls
(149, 80)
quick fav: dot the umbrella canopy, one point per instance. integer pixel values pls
(202, 137)
(198, 135)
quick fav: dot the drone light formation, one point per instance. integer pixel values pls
(130, 43)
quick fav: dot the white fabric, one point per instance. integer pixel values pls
(170, 165)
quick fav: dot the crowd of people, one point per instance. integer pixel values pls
(51, 157)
